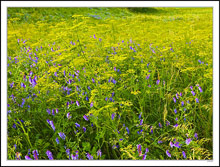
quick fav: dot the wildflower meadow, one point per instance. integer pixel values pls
(109, 83)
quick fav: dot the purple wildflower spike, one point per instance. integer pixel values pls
(160, 125)
(141, 122)
(68, 115)
(57, 140)
(127, 130)
(99, 153)
(188, 141)
(52, 125)
(196, 136)
(77, 125)
(85, 117)
(168, 154)
(84, 129)
(184, 154)
(113, 116)
(27, 157)
(50, 155)
(175, 111)
(174, 99)
(139, 149)
(62, 135)
(197, 100)
(77, 103)
(35, 154)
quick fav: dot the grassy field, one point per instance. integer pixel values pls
(110, 83)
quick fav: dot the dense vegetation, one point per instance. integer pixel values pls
(109, 83)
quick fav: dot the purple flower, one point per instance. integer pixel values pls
(18, 156)
(84, 129)
(91, 104)
(90, 157)
(99, 153)
(160, 125)
(181, 94)
(68, 152)
(68, 115)
(184, 154)
(93, 80)
(113, 116)
(168, 154)
(139, 149)
(197, 100)
(193, 93)
(158, 81)
(53, 113)
(200, 89)
(77, 125)
(182, 103)
(196, 136)
(167, 123)
(171, 144)
(140, 115)
(191, 87)
(85, 117)
(35, 154)
(175, 111)
(160, 141)
(57, 110)
(144, 156)
(146, 150)
(141, 122)
(50, 155)
(177, 96)
(23, 85)
(188, 141)
(67, 104)
(57, 140)
(147, 77)
(127, 130)
(77, 103)
(52, 125)
(174, 99)
(62, 135)
(177, 145)
(27, 157)
(55, 74)
(175, 126)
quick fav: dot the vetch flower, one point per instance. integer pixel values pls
(167, 123)
(158, 81)
(193, 93)
(85, 117)
(68, 115)
(127, 130)
(160, 141)
(18, 156)
(175, 111)
(57, 140)
(175, 126)
(160, 125)
(99, 153)
(171, 144)
(52, 125)
(84, 129)
(182, 103)
(90, 157)
(197, 100)
(77, 125)
(184, 154)
(57, 110)
(141, 122)
(139, 149)
(77, 103)
(177, 145)
(196, 136)
(200, 89)
(174, 99)
(50, 155)
(188, 141)
(35, 154)
(91, 104)
(144, 156)
(62, 135)
(27, 157)
(168, 154)
(113, 116)
(53, 113)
